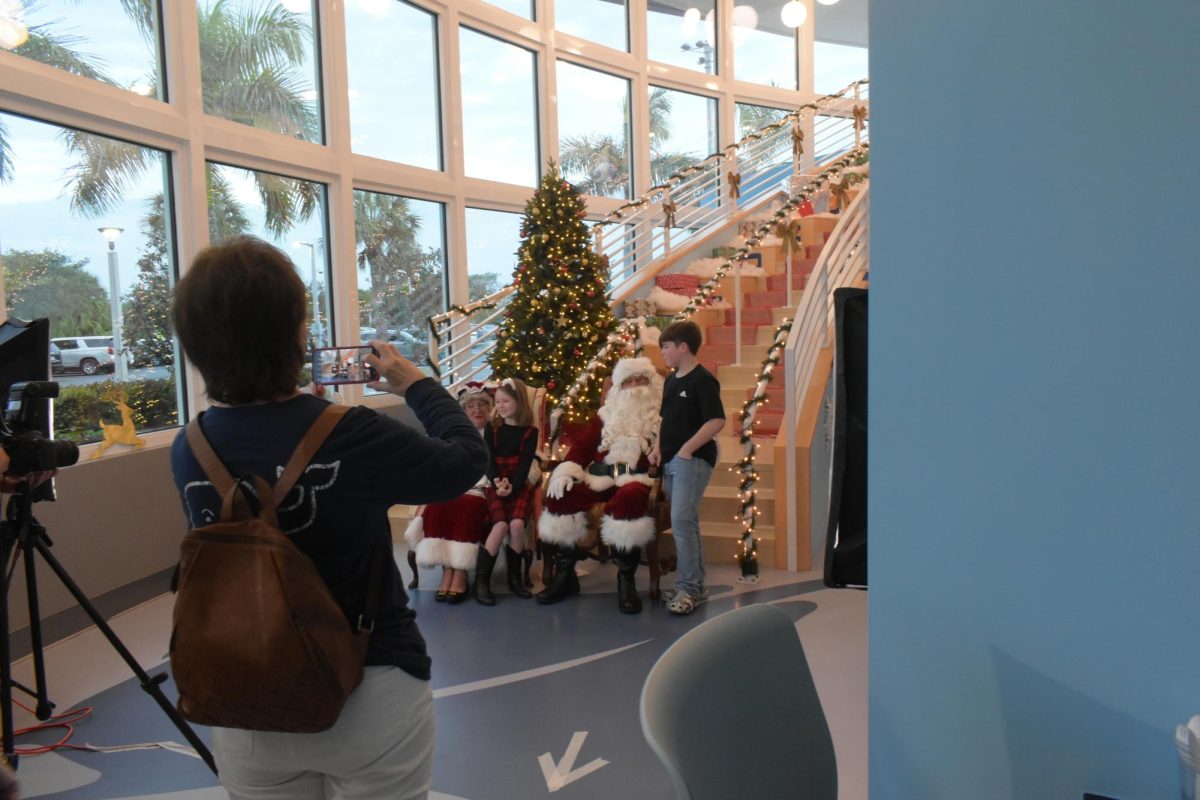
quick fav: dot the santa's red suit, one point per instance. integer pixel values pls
(607, 463)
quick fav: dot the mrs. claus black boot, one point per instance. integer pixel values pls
(627, 564)
(484, 563)
(516, 580)
(564, 583)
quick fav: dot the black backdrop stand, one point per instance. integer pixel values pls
(20, 531)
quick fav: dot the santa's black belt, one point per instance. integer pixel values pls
(615, 470)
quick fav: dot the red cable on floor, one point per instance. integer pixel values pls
(65, 720)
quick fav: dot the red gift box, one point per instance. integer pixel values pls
(679, 283)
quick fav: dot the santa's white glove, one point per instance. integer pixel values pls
(558, 486)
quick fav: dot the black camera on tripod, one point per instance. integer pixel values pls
(26, 392)
(23, 440)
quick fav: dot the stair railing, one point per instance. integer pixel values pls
(693, 202)
(707, 194)
(843, 261)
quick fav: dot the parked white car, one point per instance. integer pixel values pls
(88, 354)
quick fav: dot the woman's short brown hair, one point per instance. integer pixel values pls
(239, 311)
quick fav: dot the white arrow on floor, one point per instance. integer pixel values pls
(560, 774)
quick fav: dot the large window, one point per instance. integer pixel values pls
(258, 65)
(682, 33)
(499, 110)
(111, 41)
(493, 238)
(408, 131)
(106, 292)
(594, 130)
(749, 118)
(683, 130)
(764, 49)
(287, 212)
(401, 269)
(836, 66)
(437, 100)
(603, 21)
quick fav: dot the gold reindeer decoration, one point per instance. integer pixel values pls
(126, 432)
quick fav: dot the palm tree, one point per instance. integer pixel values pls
(249, 73)
(599, 164)
(406, 281)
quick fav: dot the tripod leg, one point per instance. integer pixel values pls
(44, 707)
(7, 542)
(150, 684)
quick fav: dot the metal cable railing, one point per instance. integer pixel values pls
(639, 236)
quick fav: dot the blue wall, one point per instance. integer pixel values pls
(1035, 396)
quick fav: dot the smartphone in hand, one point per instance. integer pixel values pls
(338, 365)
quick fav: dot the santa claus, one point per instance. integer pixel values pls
(607, 464)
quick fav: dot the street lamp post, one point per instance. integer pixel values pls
(120, 367)
(316, 306)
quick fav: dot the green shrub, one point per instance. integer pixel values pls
(79, 410)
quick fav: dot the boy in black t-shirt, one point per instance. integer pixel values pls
(692, 416)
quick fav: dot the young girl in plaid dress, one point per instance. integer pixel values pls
(513, 477)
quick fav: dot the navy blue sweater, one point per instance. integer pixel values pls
(339, 506)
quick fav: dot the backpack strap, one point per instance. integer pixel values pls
(308, 447)
(222, 480)
(208, 459)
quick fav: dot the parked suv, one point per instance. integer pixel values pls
(88, 354)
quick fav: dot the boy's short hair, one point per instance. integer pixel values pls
(239, 311)
(684, 332)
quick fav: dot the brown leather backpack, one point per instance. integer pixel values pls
(258, 642)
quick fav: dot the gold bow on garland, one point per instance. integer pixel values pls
(797, 141)
(735, 184)
(860, 116)
(668, 214)
(839, 194)
(788, 232)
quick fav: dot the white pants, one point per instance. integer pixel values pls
(381, 748)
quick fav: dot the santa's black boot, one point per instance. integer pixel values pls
(564, 583)
(484, 563)
(627, 564)
(516, 581)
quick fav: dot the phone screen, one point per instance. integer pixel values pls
(335, 365)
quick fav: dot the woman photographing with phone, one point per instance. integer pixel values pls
(246, 291)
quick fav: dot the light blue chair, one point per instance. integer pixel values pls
(731, 711)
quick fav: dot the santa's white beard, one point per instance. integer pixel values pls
(630, 423)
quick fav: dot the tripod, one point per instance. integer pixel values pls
(20, 531)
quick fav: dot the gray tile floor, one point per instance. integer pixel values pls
(512, 683)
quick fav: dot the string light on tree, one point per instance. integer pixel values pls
(559, 314)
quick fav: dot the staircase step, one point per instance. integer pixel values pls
(750, 316)
(744, 375)
(801, 269)
(722, 540)
(764, 300)
(725, 334)
(706, 317)
(724, 505)
(768, 417)
(731, 450)
(725, 477)
(727, 287)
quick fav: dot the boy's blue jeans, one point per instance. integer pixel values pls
(684, 481)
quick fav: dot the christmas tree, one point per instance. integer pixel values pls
(559, 316)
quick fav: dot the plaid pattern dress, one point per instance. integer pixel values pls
(513, 449)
